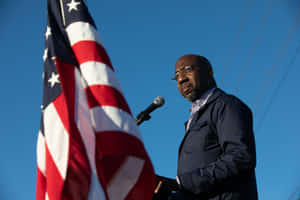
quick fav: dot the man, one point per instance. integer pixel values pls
(217, 157)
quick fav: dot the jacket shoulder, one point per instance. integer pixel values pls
(226, 101)
(229, 99)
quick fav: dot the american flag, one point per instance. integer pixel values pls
(89, 146)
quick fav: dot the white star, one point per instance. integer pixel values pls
(48, 32)
(54, 59)
(42, 108)
(45, 56)
(53, 79)
(73, 5)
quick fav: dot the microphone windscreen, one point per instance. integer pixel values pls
(159, 101)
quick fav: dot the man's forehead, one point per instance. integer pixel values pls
(188, 60)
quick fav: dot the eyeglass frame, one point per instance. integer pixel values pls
(184, 70)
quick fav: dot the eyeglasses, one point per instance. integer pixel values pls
(184, 70)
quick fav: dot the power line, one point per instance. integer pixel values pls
(254, 46)
(269, 78)
(277, 89)
(295, 194)
(235, 41)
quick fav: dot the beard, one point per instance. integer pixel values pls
(193, 95)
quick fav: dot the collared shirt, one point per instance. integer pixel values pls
(199, 103)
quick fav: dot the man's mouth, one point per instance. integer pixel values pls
(187, 89)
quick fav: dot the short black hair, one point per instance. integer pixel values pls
(208, 66)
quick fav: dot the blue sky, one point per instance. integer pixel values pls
(144, 40)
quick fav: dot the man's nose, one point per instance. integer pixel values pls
(181, 77)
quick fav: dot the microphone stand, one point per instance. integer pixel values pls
(142, 117)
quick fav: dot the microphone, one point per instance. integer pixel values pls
(144, 115)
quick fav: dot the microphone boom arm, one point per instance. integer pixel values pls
(142, 117)
(145, 115)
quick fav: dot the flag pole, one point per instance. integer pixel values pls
(62, 12)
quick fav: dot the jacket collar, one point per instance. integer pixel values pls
(217, 92)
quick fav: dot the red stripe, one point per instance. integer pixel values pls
(110, 165)
(77, 181)
(65, 103)
(112, 149)
(114, 142)
(91, 51)
(104, 95)
(144, 187)
(40, 186)
(115, 147)
(54, 180)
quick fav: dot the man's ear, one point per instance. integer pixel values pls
(211, 72)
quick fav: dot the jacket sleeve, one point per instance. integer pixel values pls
(235, 133)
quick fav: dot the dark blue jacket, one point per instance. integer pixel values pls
(217, 155)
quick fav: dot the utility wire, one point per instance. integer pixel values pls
(269, 78)
(254, 47)
(296, 192)
(276, 91)
(235, 41)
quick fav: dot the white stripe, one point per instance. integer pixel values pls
(109, 118)
(84, 124)
(46, 196)
(96, 73)
(57, 139)
(96, 191)
(41, 158)
(126, 177)
(80, 31)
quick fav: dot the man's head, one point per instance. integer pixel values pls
(194, 76)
